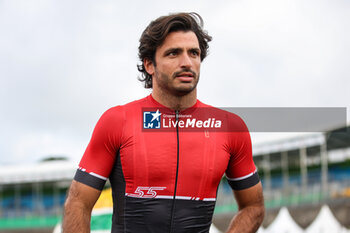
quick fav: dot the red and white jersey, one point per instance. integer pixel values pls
(166, 163)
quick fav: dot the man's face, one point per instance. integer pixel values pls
(177, 63)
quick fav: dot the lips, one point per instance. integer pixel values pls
(186, 79)
(185, 74)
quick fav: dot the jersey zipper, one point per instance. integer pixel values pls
(177, 172)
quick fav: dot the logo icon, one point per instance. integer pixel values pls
(147, 192)
(151, 120)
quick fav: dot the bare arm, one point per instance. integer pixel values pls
(251, 210)
(77, 208)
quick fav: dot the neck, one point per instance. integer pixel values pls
(175, 102)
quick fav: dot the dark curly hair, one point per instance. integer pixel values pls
(156, 32)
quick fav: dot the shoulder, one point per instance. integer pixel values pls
(118, 113)
(137, 103)
(121, 109)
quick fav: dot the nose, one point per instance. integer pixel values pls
(185, 61)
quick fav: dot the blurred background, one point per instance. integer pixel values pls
(62, 64)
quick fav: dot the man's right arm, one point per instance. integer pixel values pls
(94, 169)
(77, 208)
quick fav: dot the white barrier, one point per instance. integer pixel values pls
(325, 222)
(283, 223)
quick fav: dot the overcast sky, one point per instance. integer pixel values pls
(63, 63)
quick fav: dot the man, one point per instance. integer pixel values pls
(166, 154)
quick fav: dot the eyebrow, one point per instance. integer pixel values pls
(166, 52)
(180, 50)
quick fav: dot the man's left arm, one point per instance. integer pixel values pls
(251, 210)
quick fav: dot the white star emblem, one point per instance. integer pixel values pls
(156, 115)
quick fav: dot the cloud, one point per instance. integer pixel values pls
(287, 53)
(63, 63)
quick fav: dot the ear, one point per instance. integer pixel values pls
(149, 66)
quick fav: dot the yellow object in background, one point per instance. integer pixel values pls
(105, 200)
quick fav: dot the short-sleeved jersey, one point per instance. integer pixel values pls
(165, 166)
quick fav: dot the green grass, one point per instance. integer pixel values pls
(29, 222)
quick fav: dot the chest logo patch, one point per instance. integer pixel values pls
(151, 120)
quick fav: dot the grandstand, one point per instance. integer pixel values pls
(32, 196)
(301, 173)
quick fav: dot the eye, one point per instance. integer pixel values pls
(172, 53)
(194, 53)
